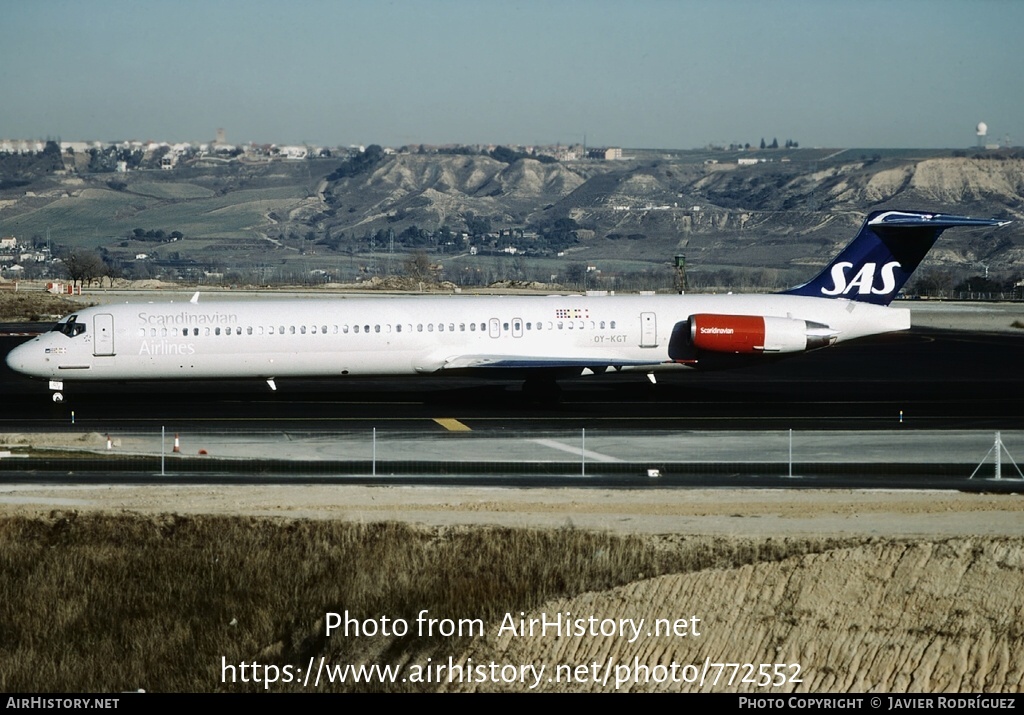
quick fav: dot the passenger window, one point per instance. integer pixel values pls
(612, 325)
(376, 328)
(440, 327)
(355, 328)
(302, 329)
(216, 331)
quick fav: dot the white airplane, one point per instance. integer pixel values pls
(538, 339)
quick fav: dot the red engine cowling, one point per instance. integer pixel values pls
(746, 334)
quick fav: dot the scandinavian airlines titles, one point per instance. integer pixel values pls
(185, 317)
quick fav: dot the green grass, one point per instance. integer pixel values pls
(96, 215)
(170, 190)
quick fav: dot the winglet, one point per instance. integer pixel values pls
(195, 298)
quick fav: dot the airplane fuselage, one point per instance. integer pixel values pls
(331, 337)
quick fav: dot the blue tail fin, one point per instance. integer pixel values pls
(877, 263)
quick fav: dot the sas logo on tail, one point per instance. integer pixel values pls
(863, 281)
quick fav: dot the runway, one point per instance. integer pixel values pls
(929, 401)
(926, 378)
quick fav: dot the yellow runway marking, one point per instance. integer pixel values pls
(451, 424)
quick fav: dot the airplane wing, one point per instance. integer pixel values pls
(526, 362)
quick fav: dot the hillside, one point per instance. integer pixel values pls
(348, 219)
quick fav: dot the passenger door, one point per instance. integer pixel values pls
(103, 334)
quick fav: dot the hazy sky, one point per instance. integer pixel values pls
(647, 73)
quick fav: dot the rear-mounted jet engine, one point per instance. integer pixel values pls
(746, 335)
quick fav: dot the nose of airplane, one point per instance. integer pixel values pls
(18, 359)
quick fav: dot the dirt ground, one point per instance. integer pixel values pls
(726, 512)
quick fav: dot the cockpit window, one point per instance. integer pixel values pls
(70, 327)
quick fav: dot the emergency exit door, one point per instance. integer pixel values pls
(648, 330)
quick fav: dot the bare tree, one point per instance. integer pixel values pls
(83, 267)
(417, 267)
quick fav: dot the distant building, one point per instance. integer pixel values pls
(609, 154)
(8, 243)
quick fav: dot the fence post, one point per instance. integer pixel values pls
(790, 451)
(999, 456)
(583, 451)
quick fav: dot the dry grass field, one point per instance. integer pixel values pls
(118, 588)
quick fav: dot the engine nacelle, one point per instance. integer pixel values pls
(746, 334)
